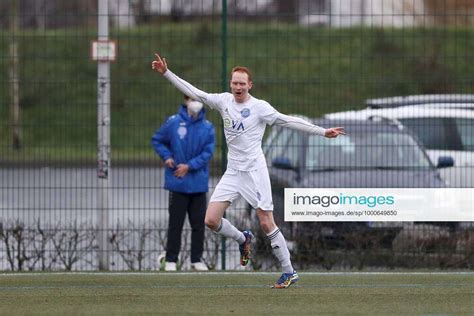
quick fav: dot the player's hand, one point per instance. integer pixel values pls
(169, 163)
(159, 64)
(334, 132)
(181, 170)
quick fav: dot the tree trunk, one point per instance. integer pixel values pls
(14, 77)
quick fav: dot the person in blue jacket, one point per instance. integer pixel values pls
(186, 143)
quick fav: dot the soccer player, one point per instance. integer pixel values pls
(245, 118)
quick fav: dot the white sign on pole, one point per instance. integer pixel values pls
(104, 50)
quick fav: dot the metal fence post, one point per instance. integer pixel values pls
(103, 103)
(224, 88)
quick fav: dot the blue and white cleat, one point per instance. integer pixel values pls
(245, 248)
(286, 280)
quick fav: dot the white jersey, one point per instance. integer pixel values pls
(244, 123)
(244, 126)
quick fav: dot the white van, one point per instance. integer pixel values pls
(443, 131)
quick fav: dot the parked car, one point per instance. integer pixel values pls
(460, 101)
(443, 131)
(371, 155)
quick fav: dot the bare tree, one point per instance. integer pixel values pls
(14, 79)
(141, 11)
(450, 12)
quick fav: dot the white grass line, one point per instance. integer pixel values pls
(236, 286)
(221, 273)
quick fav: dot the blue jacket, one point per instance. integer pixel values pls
(188, 141)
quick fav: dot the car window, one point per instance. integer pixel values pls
(465, 128)
(434, 133)
(277, 144)
(293, 150)
(286, 143)
(274, 131)
(365, 150)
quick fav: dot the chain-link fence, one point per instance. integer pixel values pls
(309, 58)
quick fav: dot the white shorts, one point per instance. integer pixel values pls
(254, 186)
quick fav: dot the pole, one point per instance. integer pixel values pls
(362, 12)
(224, 88)
(103, 103)
(14, 79)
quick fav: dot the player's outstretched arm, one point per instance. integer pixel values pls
(159, 65)
(305, 126)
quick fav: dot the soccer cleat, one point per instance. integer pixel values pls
(286, 280)
(245, 248)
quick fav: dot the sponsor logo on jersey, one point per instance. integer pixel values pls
(245, 112)
(238, 125)
(235, 125)
(227, 122)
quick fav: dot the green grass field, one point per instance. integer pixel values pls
(237, 294)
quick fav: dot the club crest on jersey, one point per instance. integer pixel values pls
(182, 131)
(245, 112)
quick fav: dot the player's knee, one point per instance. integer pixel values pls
(267, 225)
(212, 223)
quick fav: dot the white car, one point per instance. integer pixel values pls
(443, 131)
(461, 101)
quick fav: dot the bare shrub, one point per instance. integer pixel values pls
(41, 252)
(212, 243)
(16, 238)
(73, 243)
(432, 246)
(131, 242)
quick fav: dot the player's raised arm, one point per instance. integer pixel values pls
(160, 66)
(305, 126)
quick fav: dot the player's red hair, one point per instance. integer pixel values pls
(242, 69)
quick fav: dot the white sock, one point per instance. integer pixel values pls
(228, 230)
(280, 250)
